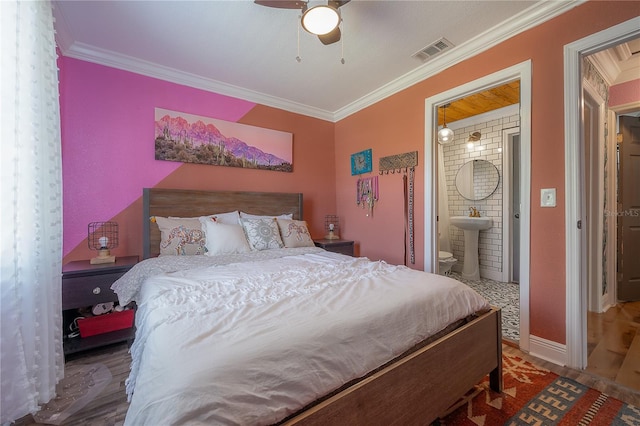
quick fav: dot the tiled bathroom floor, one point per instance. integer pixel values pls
(504, 295)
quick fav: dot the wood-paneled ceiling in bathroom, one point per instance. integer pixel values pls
(481, 102)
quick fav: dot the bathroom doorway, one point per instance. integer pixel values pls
(521, 72)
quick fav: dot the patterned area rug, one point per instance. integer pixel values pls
(534, 396)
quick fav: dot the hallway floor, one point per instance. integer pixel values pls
(613, 337)
(503, 295)
(613, 344)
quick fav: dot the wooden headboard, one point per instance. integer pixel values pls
(193, 203)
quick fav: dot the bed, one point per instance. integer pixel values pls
(325, 329)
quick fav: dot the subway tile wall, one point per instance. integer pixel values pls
(456, 154)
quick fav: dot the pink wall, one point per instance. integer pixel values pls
(396, 125)
(108, 151)
(624, 93)
(107, 119)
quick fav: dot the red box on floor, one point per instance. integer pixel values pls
(105, 323)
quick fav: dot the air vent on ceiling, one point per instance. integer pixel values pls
(433, 49)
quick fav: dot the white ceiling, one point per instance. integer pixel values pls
(241, 49)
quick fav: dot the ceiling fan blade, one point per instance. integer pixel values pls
(338, 3)
(331, 37)
(282, 4)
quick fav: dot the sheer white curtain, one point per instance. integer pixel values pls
(31, 209)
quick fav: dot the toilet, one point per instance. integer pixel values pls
(445, 261)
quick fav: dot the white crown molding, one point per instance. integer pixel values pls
(525, 20)
(529, 18)
(631, 108)
(108, 58)
(607, 65)
(61, 29)
(627, 75)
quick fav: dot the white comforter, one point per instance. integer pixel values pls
(250, 343)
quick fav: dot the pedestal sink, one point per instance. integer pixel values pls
(471, 227)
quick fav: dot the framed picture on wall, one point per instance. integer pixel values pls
(361, 162)
(189, 138)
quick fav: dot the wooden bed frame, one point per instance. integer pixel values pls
(415, 389)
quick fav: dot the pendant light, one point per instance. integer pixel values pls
(445, 135)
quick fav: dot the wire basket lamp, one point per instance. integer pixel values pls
(103, 236)
(332, 227)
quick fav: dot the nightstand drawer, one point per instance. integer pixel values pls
(88, 290)
(347, 249)
(336, 246)
(85, 285)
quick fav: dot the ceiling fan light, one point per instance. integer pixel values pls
(445, 135)
(320, 20)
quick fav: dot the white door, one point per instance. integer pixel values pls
(629, 213)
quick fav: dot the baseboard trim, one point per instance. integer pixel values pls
(549, 351)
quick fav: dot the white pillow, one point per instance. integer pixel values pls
(263, 234)
(295, 233)
(244, 215)
(223, 238)
(230, 217)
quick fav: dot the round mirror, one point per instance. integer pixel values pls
(477, 179)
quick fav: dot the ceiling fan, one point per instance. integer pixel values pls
(321, 20)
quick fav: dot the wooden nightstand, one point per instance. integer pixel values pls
(336, 246)
(83, 285)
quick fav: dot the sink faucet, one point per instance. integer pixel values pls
(473, 212)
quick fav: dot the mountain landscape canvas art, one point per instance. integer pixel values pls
(189, 138)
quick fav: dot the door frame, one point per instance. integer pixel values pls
(612, 202)
(576, 300)
(521, 71)
(596, 301)
(507, 208)
(614, 113)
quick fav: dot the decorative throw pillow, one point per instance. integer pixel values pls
(263, 234)
(223, 238)
(244, 215)
(295, 233)
(180, 236)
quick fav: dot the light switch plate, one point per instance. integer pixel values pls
(548, 197)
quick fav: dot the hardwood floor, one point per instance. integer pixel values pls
(604, 385)
(613, 344)
(110, 407)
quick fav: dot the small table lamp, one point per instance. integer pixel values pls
(332, 226)
(103, 236)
